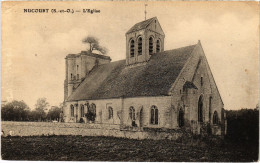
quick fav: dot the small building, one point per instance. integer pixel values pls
(150, 89)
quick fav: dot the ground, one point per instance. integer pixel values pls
(78, 148)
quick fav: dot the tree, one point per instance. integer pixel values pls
(94, 44)
(15, 111)
(91, 114)
(41, 107)
(54, 113)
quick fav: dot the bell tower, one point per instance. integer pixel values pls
(143, 40)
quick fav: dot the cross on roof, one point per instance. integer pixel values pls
(145, 11)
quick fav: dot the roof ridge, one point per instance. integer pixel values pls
(174, 49)
(150, 20)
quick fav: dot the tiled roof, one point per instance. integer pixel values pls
(95, 55)
(89, 54)
(140, 25)
(115, 79)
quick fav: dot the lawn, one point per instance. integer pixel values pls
(78, 148)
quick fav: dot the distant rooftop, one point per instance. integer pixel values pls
(89, 54)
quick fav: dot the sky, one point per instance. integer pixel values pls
(34, 45)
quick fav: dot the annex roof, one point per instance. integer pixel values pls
(115, 79)
(88, 53)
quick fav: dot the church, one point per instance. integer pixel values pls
(150, 89)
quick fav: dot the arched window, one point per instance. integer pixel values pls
(140, 45)
(93, 108)
(154, 115)
(132, 48)
(200, 109)
(151, 45)
(110, 112)
(71, 110)
(210, 106)
(201, 81)
(71, 76)
(141, 117)
(181, 117)
(158, 46)
(215, 118)
(132, 113)
(82, 111)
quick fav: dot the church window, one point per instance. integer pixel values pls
(93, 108)
(132, 113)
(71, 76)
(200, 109)
(158, 46)
(201, 81)
(154, 115)
(210, 106)
(140, 45)
(150, 45)
(82, 111)
(110, 112)
(132, 48)
(181, 117)
(77, 67)
(141, 117)
(71, 110)
(215, 118)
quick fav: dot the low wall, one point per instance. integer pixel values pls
(49, 128)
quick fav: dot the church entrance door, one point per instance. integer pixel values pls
(181, 118)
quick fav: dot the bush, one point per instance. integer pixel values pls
(90, 116)
(243, 125)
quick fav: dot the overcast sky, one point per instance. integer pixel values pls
(34, 45)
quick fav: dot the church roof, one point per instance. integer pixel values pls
(140, 25)
(115, 79)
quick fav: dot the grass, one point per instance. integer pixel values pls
(78, 148)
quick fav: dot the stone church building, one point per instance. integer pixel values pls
(149, 89)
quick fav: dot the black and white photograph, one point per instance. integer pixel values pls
(135, 81)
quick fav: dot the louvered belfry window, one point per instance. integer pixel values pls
(158, 46)
(132, 48)
(140, 45)
(151, 45)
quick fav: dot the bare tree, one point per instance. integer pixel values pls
(94, 44)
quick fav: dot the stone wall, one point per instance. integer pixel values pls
(121, 109)
(49, 128)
